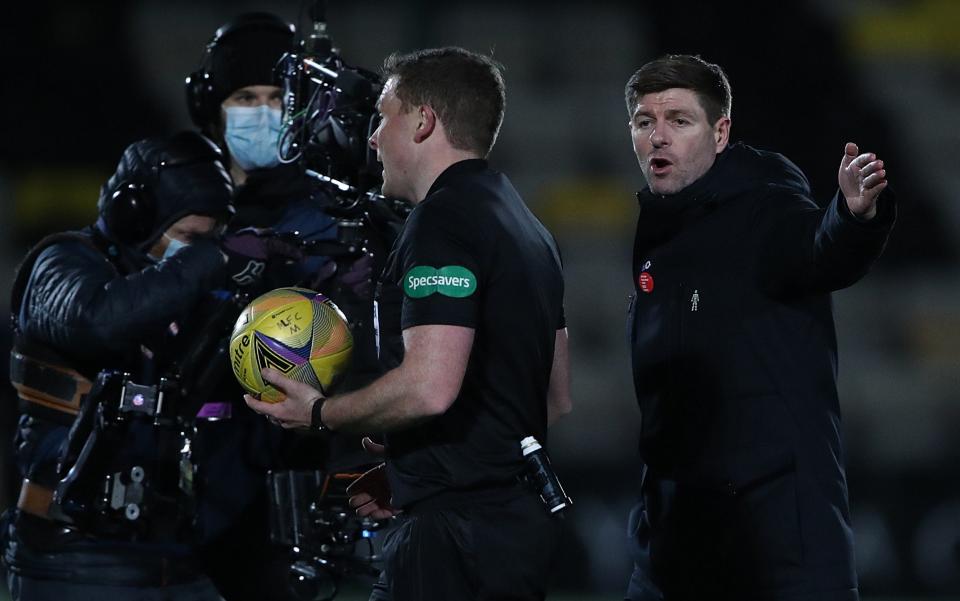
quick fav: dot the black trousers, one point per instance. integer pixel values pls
(46, 563)
(690, 544)
(493, 549)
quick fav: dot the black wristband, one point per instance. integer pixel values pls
(316, 418)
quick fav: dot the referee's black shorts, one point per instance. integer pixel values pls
(487, 549)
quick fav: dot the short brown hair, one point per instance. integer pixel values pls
(706, 80)
(464, 88)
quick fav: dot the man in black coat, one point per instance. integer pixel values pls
(113, 296)
(743, 492)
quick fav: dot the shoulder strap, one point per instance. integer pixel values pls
(43, 379)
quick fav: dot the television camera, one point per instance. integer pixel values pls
(330, 113)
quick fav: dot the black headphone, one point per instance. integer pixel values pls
(128, 207)
(201, 103)
(129, 212)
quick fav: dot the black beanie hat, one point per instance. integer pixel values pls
(171, 178)
(245, 51)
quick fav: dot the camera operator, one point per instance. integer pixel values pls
(112, 297)
(234, 99)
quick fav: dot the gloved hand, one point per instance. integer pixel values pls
(356, 276)
(249, 250)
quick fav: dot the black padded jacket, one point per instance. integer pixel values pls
(735, 362)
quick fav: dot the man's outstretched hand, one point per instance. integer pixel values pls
(862, 178)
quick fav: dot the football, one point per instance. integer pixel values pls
(296, 331)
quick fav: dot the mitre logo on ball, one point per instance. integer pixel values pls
(296, 331)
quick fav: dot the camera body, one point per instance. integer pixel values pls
(104, 491)
(329, 114)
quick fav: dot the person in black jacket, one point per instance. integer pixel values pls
(234, 97)
(471, 322)
(743, 492)
(112, 299)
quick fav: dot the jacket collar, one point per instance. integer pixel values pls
(705, 189)
(274, 186)
(451, 173)
(738, 169)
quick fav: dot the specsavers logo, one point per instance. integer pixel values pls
(453, 280)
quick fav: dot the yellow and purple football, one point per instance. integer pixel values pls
(296, 331)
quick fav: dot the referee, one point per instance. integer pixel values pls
(471, 320)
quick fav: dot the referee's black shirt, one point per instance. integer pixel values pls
(472, 254)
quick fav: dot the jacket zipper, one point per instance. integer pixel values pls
(680, 318)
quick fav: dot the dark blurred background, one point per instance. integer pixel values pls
(83, 80)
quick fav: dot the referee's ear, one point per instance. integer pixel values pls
(427, 123)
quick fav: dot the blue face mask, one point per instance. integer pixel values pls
(173, 245)
(252, 136)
